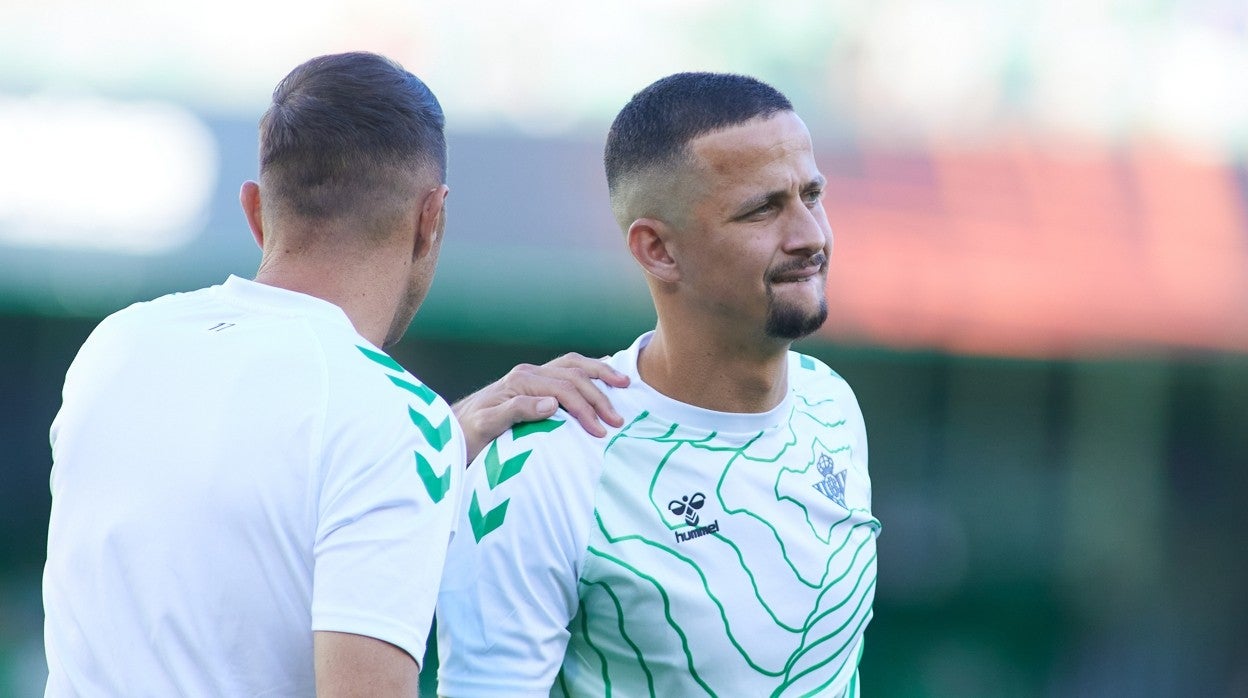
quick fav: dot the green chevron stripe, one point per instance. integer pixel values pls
(522, 430)
(806, 362)
(424, 392)
(482, 525)
(436, 485)
(381, 358)
(500, 471)
(436, 436)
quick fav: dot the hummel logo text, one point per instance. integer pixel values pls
(687, 506)
(683, 536)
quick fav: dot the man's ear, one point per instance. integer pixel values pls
(249, 198)
(649, 240)
(431, 222)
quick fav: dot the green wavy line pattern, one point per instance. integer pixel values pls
(773, 598)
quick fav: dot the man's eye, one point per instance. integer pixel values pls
(812, 197)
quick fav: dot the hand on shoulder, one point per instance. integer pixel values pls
(529, 393)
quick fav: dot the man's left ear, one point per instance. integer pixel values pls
(429, 225)
(249, 199)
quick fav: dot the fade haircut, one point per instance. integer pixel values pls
(345, 135)
(651, 134)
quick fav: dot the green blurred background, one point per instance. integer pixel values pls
(1039, 290)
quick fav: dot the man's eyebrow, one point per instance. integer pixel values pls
(816, 182)
(754, 202)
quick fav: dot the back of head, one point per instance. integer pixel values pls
(652, 132)
(345, 136)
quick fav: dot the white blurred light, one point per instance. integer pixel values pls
(93, 174)
(931, 68)
(1198, 93)
(964, 71)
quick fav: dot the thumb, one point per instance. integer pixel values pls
(489, 423)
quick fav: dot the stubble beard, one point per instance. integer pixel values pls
(791, 321)
(403, 316)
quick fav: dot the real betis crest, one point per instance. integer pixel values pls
(832, 485)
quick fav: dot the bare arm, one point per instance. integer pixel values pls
(529, 393)
(355, 666)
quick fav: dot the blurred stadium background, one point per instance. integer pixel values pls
(1039, 290)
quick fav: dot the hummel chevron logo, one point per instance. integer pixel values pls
(436, 485)
(500, 471)
(524, 429)
(436, 436)
(381, 358)
(423, 392)
(482, 525)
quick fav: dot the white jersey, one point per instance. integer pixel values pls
(688, 553)
(235, 468)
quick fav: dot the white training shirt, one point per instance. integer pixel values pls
(690, 553)
(235, 468)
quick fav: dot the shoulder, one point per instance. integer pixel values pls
(150, 312)
(546, 466)
(535, 449)
(824, 390)
(138, 332)
(811, 376)
(367, 384)
(357, 371)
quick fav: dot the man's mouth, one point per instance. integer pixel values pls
(802, 272)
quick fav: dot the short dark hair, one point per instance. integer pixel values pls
(340, 126)
(659, 122)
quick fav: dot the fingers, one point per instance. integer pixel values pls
(527, 408)
(577, 394)
(589, 404)
(484, 424)
(525, 395)
(569, 379)
(591, 368)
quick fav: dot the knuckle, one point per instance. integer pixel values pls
(521, 369)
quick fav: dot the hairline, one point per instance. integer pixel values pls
(681, 158)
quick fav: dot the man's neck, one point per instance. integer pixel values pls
(721, 374)
(363, 291)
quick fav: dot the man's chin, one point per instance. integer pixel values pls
(791, 321)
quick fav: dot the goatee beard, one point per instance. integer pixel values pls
(792, 322)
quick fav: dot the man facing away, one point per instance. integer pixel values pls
(721, 542)
(249, 496)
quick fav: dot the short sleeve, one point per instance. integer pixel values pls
(389, 499)
(510, 586)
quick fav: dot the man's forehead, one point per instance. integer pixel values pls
(760, 143)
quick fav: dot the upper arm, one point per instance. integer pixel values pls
(350, 666)
(385, 512)
(510, 586)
